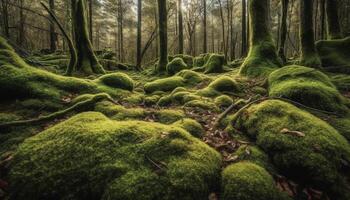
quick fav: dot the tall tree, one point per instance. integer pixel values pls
(283, 29)
(333, 25)
(205, 37)
(309, 56)
(322, 18)
(5, 18)
(21, 22)
(181, 27)
(120, 19)
(163, 35)
(87, 61)
(223, 29)
(139, 34)
(90, 21)
(244, 29)
(53, 37)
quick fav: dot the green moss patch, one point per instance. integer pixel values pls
(176, 65)
(165, 84)
(306, 86)
(221, 85)
(301, 146)
(192, 126)
(117, 80)
(90, 156)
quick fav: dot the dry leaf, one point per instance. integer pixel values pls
(293, 133)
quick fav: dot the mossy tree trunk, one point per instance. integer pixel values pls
(163, 35)
(333, 25)
(244, 29)
(53, 37)
(87, 61)
(309, 56)
(139, 35)
(283, 30)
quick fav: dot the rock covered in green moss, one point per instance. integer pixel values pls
(117, 80)
(224, 84)
(301, 146)
(176, 65)
(91, 156)
(335, 55)
(204, 104)
(191, 126)
(165, 84)
(191, 77)
(215, 64)
(186, 58)
(254, 155)
(248, 181)
(306, 86)
(223, 101)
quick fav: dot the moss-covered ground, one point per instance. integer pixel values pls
(199, 131)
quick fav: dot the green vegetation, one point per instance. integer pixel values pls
(176, 65)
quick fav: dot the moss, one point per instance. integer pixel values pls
(198, 61)
(188, 60)
(306, 86)
(176, 65)
(123, 160)
(223, 101)
(341, 81)
(40, 104)
(168, 116)
(191, 77)
(342, 125)
(254, 155)
(334, 55)
(202, 104)
(223, 84)
(117, 80)
(259, 90)
(247, 181)
(119, 112)
(165, 85)
(8, 117)
(215, 64)
(136, 98)
(165, 100)
(314, 158)
(191, 126)
(152, 100)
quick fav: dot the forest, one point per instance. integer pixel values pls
(175, 99)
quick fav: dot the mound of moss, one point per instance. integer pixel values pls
(301, 146)
(215, 64)
(254, 155)
(191, 126)
(224, 84)
(165, 84)
(335, 55)
(176, 65)
(223, 101)
(118, 80)
(247, 181)
(188, 60)
(307, 86)
(191, 77)
(92, 157)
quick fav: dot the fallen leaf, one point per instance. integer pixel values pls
(293, 133)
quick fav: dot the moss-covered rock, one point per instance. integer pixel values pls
(306, 86)
(220, 85)
(301, 146)
(191, 77)
(117, 80)
(247, 181)
(215, 64)
(223, 101)
(334, 54)
(186, 58)
(203, 104)
(191, 126)
(90, 156)
(176, 65)
(341, 81)
(165, 84)
(168, 116)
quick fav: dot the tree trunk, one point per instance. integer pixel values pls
(5, 18)
(53, 37)
(139, 34)
(90, 21)
(309, 56)
(21, 24)
(322, 18)
(163, 35)
(181, 27)
(223, 29)
(333, 26)
(244, 28)
(87, 61)
(283, 30)
(205, 38)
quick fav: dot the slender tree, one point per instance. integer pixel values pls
(244, 29)
(5, 18)
(309, 56)
(139, 34)
(283, 29)
(333, 25)
(163, 35)
(87, 61)
(322, 18)
(53, 37)
(205, 37)
(90, 21)
(20, 39)
(223, 29)
(181, 27)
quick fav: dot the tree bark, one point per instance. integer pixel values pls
(322, 18)
(139, 34)
(244, 28)
(205, 38)
(87, 61)
(333, 26)
(309, 55)
(21, 24)
(53, 36)
(90, 21)
(283, 30)
(181, 27)
(5, 19)
(223, 29)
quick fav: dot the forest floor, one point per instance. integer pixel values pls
(201, 104)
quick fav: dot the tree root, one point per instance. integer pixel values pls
(80, 106)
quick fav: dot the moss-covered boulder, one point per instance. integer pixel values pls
(165, 84)
(247, 181)
(224, 84)
(192, 126)
(117, 80)
(335, 55)
(186, 58)
(92, 157)
(307, 86)
(301, 146)
(215, 64)
(191, 77)
(223, 101)
(176, 65)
